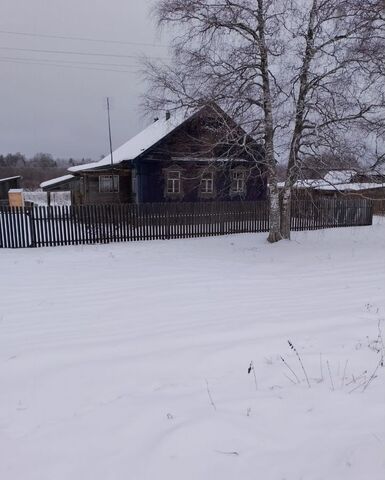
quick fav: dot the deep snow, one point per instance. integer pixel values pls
(129, 361)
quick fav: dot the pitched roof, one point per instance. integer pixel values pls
(306, 183)
(57, 180)
(335, 180)
(9, 178)
(352, 187)
(335, 177)
(141, 142)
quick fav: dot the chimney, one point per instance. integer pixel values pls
(168, 115)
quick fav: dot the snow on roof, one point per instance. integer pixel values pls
(320, 184)
(56, 180)
(208, 159)
(305, 183)
(350, 187)
(336, 177)
(9, 178)
(140, 142)
(330, 181)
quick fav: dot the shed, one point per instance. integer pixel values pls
(65, 183)
(7, 184)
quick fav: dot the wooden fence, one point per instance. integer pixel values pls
(378, 206)
(88, 224)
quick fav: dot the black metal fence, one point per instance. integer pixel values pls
(88, 224)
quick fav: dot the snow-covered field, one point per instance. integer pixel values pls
(130, 361)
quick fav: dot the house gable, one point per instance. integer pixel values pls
(180, 134)
(186, 146)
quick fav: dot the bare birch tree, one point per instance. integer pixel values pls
(338, 83)
(222, 54)
(305, 77)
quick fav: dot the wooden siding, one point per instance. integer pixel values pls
(90, 193)
(152, 177)
(195, 140)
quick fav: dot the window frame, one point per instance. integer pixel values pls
(238, 177)
(207, 181)
(112, 178)
(177, 180)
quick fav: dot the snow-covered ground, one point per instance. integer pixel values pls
(130, 361)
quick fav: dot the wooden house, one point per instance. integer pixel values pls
(203, 156)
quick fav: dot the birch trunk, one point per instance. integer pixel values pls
(274, 213)
(293, 167)
(286, 213)
(274, 206)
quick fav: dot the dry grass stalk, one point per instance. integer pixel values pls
(300, 362)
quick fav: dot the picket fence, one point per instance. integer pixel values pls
(90, 224)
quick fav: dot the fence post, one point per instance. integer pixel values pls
(167, 223)
(1, 226)
(32, 226)
(370, 207)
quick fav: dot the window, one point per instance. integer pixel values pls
(238, 184)
(207, 182)
(173, 181)
(108, 183)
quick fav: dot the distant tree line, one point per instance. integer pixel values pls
(37, 169)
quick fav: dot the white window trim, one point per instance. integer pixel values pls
(112, 179)
(238, 181)
(175, 182)
(207, 183)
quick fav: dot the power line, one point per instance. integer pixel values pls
(21, 62)
(48, 61)
(84, 39)
(69, 52)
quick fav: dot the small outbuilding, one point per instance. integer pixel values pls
(65, 183)
(7, 184)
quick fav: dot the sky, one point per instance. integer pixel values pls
(55, 102)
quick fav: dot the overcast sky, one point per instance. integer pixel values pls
(60, 110)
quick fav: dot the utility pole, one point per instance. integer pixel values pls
(111, 154)
(109, 131)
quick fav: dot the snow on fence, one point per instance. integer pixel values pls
(88, 224)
